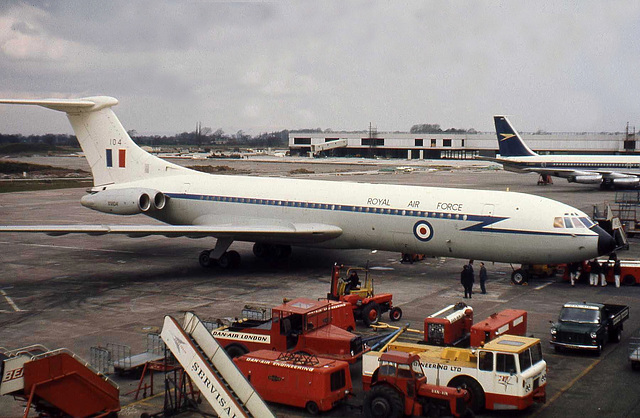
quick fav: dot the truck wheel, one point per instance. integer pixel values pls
(476, 393)
(519, 277)
(234, 351)
(628, 280)
(371, 313)
(383, 401)
(312, 408)
(599, 350)
(616, 336)
(395, 314)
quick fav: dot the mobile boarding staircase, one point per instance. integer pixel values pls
(211, 369)
(56, 382)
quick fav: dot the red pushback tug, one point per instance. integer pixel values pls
(399, 387)
(305, 381)
(57, 383)
(367, 306)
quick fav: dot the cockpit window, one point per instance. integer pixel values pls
(567, 223)
(558, 223)
(577, 223)
(587, 222)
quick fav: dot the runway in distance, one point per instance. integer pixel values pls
(276, 213)
(608, 171)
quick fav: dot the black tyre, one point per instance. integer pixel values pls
(261, 250)
(371, 313)
(635, 365)
(312, 408)
(557, 348)
(616, 336)
(628, 280)
(476, 393)
(205, 259)
(234, 257)
(599, 350)
(225, 260)
(234, 351)
(519, 277)
(383, 401)
(395, 314)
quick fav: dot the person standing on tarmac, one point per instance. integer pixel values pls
(466, 279)
(617, 269)
(573, 272)
(604, 269)
(483, 278)
(595, 272)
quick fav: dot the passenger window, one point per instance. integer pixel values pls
(557, 222)
(505, 363)
(485, 361)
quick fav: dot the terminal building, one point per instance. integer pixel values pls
(452, 145)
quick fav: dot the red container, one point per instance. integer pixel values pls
(509, 321)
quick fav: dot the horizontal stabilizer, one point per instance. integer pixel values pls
(67, 105)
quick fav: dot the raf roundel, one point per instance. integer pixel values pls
(423, 231)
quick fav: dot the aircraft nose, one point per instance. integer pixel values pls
(606, 243)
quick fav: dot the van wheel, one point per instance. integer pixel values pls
(312, 408)
(617, 336)
(383, 401)
(476, 393)
(519, 277)
(628, 280)
(371, 313)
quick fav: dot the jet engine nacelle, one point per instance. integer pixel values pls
(586, 179)
(125, 201)
(626, 182)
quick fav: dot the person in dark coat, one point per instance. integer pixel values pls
(483, 278)
(466, 279)
(352, 283)
(573, 272)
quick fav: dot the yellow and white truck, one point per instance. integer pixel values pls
(506, 373)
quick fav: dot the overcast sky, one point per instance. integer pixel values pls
(258, 66)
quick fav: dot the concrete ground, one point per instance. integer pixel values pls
(80, 291)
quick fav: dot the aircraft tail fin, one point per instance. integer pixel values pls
(112, 155)
(510, 143)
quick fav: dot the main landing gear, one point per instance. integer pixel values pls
(219, 256)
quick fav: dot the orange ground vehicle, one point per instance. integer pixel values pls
(316, 384)
(367, 306)
(629, 272)
(399, 387)
(300, 325)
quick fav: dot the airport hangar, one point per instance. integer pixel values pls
(447, 145)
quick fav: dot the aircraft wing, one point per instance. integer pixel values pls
(289, 233)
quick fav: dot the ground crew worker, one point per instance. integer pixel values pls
(352, 282)
(466, 278)
(573, 272)
(616, 271)
(483, 278)
(595, 272)
(604, 269)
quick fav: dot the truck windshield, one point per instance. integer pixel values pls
(580, 315)
(530, 357)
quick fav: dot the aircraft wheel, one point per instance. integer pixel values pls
(205, 258)
(395, 314)
(260, 250)
(519, 277)
(225, 261)
(235, 258)
(371, 313)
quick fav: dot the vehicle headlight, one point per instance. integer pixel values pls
(554, 331)
(593, 335)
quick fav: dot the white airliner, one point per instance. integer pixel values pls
(276, 213)
(606, 170)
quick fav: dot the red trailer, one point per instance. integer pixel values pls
(305, 381)
(449, 326)
(508, 321)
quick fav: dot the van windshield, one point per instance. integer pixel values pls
(580, 315)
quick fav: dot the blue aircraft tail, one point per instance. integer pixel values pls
(510, 143)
